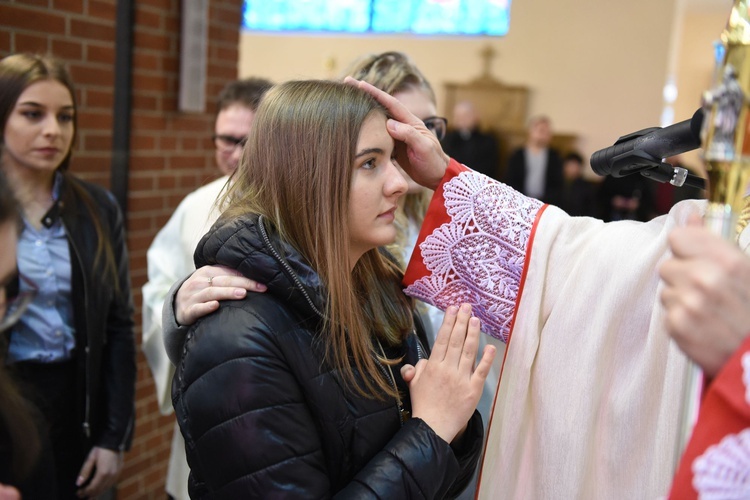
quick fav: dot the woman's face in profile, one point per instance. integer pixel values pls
(376, 186)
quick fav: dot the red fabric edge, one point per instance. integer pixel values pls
(436, 216)
(724, 411)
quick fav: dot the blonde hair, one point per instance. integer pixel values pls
(394, 72)
(296, 170)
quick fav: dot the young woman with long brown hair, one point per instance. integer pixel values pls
(320, 386)
(72, 350)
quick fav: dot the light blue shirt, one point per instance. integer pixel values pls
(45, 332)
(536, 173)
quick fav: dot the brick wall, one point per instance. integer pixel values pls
(171, 152)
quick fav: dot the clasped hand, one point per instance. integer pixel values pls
(445, 389)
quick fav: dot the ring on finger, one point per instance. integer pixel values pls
(210, 281)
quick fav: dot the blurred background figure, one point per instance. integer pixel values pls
(467, 144)
(626, 198)
(170, 256)
(578, 196)
(25, 464)
(536, 169)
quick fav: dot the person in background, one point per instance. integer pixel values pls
(706, 296)
(626, 198)
(395, 73)
(72, 351)
(586, 356)
(468, 144)
(324, 361)
(578, 196)
(170, 256)
(536, 169)
(25, 465)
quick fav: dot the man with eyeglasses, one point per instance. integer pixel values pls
(170, 256)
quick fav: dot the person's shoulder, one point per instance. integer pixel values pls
(258, 326)
(259, 313)
(212, 190)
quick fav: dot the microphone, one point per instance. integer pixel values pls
(644, 150)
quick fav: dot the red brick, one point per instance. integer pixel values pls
(194, 123)
(101, 31)
(143, 162)
(143, 60)
(98, 142)
(130, 488)
(226, 15)
(139, 142)
(102, 10)
(67, 50)
(71, 6)
(165, 182)
(85, 164)
(142, 101)
(4, 42)
(168, 143)
(156, 3)
(146, 202)
(148, 18)
(25, 42)
(86, 74)
(36, 20)
(154, 82)
(93, 98)
(221, 34)
(37, 3)
(102, 54)
(225, 54)
(156, 42)
(171, 65)
(142, 122)
(95, 119)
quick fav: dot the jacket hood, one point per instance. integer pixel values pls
(249, 245)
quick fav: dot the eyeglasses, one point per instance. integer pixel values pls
(17, 304)
(437, 125)
(228, 143)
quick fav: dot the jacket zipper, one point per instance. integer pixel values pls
(267, 241)
(285, 265)
(87, 408)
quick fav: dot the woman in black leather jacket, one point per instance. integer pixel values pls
(72, 350)
(310, 390)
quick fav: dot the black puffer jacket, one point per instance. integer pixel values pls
(264, 416)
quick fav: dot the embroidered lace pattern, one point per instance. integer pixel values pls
(478, 257)
(723, 471)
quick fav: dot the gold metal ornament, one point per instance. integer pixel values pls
(725, 139)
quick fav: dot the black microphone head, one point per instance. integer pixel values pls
(645, 149)
(696, 124)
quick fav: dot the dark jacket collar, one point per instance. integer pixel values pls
(250, 245)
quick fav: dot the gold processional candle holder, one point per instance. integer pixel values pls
(726, 146)
(726, 151)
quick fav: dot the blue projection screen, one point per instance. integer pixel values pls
(421, 17)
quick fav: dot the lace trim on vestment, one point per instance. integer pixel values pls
(478, 257)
